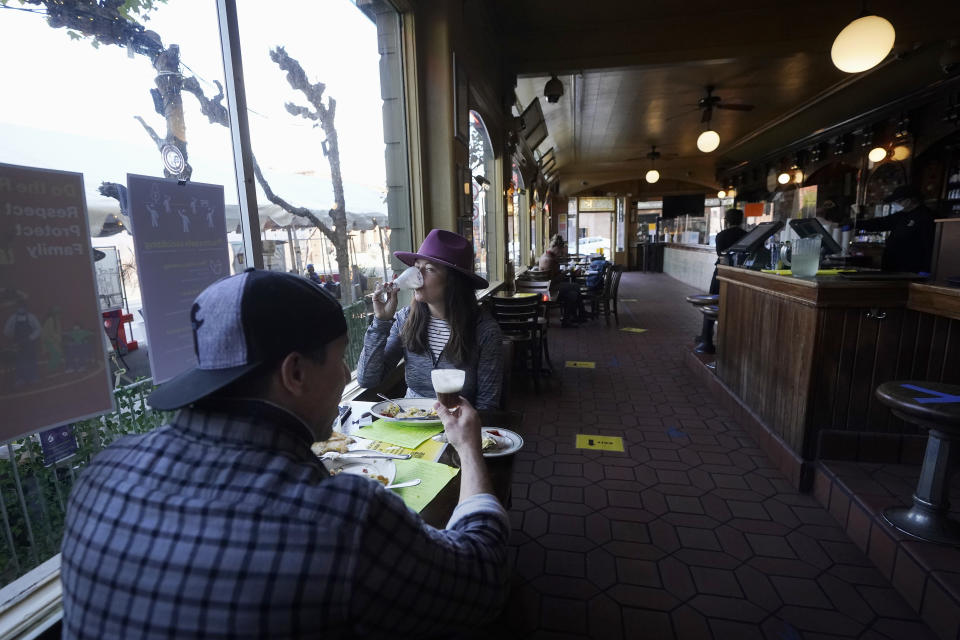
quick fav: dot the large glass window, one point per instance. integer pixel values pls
(331, 165)
(513, 215)
(482, 164)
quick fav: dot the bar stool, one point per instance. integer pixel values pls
(700, 300)
(710, 313)
(934, 406)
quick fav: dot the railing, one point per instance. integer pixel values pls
(357, 315)
(33, 497)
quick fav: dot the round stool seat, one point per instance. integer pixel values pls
(935, 406)
(930, 404)
(701, 299)
(710, 311)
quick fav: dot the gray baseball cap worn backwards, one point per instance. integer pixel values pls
(249, 320)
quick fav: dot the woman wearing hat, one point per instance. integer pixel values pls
(442, 328)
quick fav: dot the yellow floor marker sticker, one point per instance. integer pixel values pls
(603, 443)
(574, 364)
(633, 329)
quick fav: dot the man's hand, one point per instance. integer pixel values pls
(385, 310)
(462, 426)
(463, 432)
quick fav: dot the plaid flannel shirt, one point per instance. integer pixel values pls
(226, 525)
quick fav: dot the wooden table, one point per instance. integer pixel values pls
(439, 510)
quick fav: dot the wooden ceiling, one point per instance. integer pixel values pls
(633, 71)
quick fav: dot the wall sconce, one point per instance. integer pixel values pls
(483, 182)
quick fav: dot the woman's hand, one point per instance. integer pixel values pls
(462, 426)
(385, 310)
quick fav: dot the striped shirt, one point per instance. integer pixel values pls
(438, 334)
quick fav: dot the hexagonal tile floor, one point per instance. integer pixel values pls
(690, 532)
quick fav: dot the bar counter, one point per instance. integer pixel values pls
(805, 355)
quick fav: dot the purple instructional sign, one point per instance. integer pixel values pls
(58, 444)
(180, 239)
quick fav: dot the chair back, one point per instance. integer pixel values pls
(617, 272)
(517, 317)
(534, 286)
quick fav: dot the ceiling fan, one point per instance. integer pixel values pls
(710, 102)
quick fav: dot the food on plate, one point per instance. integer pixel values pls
(492, 440)
(336, 444)
(366, 471)
(393, 411)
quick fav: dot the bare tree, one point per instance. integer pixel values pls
(115, 22)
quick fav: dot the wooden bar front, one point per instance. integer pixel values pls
(806, 355)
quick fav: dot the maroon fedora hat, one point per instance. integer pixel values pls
(446, 248)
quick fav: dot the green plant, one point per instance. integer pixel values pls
(40, 514)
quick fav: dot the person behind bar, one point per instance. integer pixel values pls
(442, 328)
(909, 247)
(732, 219)
(223, 523)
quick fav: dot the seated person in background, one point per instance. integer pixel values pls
(732, 232)
(332, 287)
(442, 328)
(568, 294)
(598, 266)
(550, 260)
(313, 275)
(909, 247)
(224, 523)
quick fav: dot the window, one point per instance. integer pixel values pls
(513, 215)
(482, 163)
(106, 111)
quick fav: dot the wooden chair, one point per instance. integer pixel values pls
(611, 292)
(595, 296)
(519, 321)
(541, 288)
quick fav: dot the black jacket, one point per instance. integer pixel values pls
(909, 246)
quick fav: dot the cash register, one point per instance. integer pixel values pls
(749, 251)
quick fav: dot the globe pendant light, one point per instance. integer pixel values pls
(653, 175)
(863, 44)
(708, 141)
(783, 178)
(721, 194)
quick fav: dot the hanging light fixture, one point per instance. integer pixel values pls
(653, 175)
(731, 192)
(721, 194)
(863, 44)
(708, 141)
(877, 154)
(783, 178)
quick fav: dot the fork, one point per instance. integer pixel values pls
(399, 408)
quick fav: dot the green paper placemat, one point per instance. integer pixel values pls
(433, 478)
(405, 434)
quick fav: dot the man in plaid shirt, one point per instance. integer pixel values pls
(223, 523)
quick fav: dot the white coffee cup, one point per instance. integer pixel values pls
(411, 278)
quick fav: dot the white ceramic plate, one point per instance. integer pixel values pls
(367, 467)
(512, 442)
(406, 403)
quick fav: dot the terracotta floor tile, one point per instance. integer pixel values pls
(691, 533)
